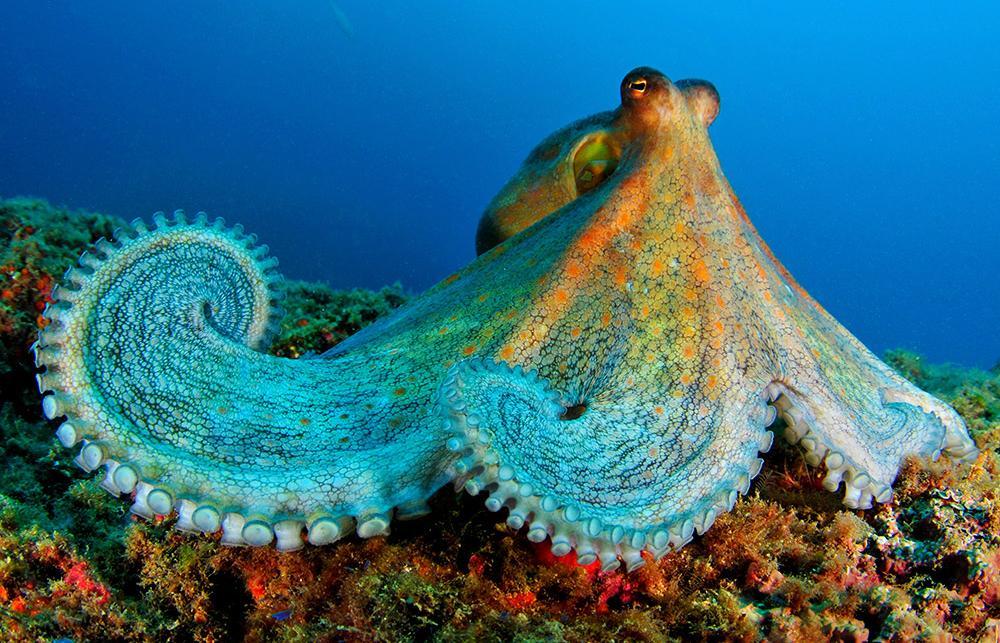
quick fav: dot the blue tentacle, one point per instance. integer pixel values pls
(153, 357)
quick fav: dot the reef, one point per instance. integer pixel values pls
(789, 562)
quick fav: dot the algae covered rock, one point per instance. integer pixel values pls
(317, 317)
(788, 563)
(38, 242)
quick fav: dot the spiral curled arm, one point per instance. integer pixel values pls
(152, 356)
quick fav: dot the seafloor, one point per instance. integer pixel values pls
(789, 563)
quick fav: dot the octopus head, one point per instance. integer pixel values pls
(650, 102)
(580, 158)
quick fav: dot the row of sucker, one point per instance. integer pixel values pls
(479, 469)
(239, 525)
(861, 488)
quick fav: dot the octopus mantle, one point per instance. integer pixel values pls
(605, 371)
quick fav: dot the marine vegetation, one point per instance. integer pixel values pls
(789, 562)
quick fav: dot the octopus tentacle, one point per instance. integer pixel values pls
(606, 481)
(863, 441)
(152, 355)
(846, 407)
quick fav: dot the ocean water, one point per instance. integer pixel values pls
(362, 140)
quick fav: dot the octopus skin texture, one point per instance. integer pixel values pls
(605, 371)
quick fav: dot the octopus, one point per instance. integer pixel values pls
(605, 371)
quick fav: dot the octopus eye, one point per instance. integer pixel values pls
(594, 161)
(637, 86)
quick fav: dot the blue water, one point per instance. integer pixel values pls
(362, 147)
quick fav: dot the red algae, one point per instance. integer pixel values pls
(520, 600)
(79, 578)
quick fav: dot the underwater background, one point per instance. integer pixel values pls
(361, 141)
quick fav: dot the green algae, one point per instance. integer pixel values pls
(788, 563)
(318, 317)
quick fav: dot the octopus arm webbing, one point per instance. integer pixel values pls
(152, 356)
(849, 411)
(610, 482)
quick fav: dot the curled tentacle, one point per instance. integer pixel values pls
(152, 357)
(622, 476)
